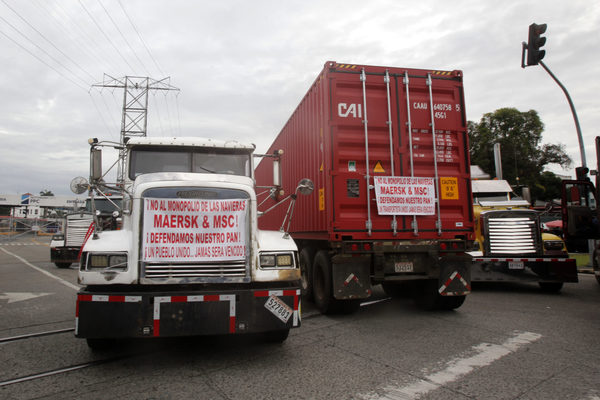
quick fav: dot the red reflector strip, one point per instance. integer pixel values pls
(116, 299)
(261, 293)
(212, 297)
(179, 299)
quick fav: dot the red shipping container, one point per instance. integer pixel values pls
(324, 140)
(392, 200)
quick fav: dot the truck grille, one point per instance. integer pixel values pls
(77, 227)
(512, 235)
(221, 270)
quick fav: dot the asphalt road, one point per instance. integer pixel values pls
(506, 342)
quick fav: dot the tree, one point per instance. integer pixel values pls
(523, 158)
(46, 192)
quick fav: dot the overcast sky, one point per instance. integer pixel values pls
(243, 66)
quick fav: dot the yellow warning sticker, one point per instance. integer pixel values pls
(321, 168)
(449, 188)
(378, 167)
(322, 199)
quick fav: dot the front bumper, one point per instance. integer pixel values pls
(64, 254)
(189, 313)
(486, 269)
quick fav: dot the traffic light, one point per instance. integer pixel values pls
(534, 54)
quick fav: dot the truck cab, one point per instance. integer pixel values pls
(189, 259)
(510, 243)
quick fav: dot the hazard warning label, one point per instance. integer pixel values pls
(404, 195)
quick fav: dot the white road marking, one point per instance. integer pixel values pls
(24, 261)
(486, 354)
(15, 297)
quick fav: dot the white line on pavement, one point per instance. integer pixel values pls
(24, 261)
(486, 354)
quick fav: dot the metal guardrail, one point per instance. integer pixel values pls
(15, 227)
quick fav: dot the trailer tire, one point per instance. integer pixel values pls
(62, 264)
(551, 287)
(306, 258)
(322, 284)
(276, 336)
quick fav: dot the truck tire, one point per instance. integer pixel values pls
(551, 287)
(322, 284)
(276, 336)
(62, 264)
(306, 258)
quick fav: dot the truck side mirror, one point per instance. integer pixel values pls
(95, 164)
(305, 186)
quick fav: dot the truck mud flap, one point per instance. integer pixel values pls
(351, 277)
(455, 279)
(251, 311)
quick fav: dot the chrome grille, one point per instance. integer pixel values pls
(77, 227)
(221, 270)
(512, 235)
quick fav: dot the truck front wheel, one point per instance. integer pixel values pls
(322, 284)
(306, 269)
(62, 264)
(276, 336)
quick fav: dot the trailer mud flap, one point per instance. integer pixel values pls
(455, 279)
(351, 277)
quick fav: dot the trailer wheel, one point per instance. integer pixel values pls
(62, 264)
(322, 284)
(551, 287)
(276, 336)
(306, 269)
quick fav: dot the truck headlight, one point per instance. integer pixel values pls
(277, 260)
(553, 245)
(116, 261)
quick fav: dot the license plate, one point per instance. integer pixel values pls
(516, 265)
(403, 266)
(279, 308)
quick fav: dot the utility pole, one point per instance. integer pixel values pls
(134, 119)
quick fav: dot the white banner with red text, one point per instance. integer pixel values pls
(194, 230)
(404, 195)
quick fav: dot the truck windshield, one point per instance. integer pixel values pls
(207, 161)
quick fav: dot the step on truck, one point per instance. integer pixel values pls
(387, 150)
(511, 246)
(189, 258)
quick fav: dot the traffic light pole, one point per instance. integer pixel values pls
(579, 136)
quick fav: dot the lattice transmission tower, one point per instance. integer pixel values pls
(134, 119)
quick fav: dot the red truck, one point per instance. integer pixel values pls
(385, 210)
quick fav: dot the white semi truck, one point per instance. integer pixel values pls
(189, 259)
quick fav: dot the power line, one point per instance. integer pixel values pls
(105, 35)
(83, 32)
(46, 39)
(140, 37)
(43, 62)
(123, 36)
(42, 8)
